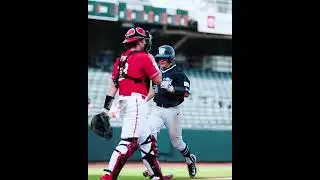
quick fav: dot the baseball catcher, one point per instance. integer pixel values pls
(130, 76)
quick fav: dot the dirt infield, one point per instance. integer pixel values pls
(140, 164)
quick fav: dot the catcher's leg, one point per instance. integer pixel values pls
(120, 155)
(156, 123)
(149, 153)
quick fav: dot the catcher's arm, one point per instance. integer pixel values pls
(150, 94)
(100, 124)
(110, 97)
(112, 90)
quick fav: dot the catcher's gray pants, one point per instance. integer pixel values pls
(171, 118)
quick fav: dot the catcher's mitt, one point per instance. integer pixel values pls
(100, 125)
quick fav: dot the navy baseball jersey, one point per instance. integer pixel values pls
(178, 80)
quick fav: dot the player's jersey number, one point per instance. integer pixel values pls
(123, 70)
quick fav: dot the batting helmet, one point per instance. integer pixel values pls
(165, 52)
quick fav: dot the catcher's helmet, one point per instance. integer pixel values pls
(137, 33)
(165, 52)
(134, 34)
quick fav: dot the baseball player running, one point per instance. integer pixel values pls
(168, 96)
(131, 74)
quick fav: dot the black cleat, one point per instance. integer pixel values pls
(192, 167)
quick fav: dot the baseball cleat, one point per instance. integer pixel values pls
(106, 177)
(166, 177)
(192, 167)
(146, 173)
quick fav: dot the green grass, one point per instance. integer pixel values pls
(178, 173)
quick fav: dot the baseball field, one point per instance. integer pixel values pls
(133, 171)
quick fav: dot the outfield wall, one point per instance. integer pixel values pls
(208, 145)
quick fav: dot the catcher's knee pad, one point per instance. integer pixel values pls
(149, 153)
(126, 148)
(177, 142)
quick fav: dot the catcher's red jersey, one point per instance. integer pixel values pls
(140, 66)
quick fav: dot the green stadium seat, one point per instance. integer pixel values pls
(200, 111)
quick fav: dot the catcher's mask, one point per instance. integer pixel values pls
(138, 33)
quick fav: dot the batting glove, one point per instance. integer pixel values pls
(167, 86)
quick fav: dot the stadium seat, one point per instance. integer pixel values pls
(208, 107)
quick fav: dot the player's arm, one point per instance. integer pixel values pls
(112, 90)
(151, 69)
(150, 94)
(186, 84)
(178, 86)
(183, 85)
(100, 124)
(157, 79)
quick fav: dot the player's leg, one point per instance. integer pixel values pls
(119, 157)
(148, 142)
(172, 122)
(128, 144)
(149, 154)
(156, 123)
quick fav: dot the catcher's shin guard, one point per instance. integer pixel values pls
(120, 155)
(150, 158)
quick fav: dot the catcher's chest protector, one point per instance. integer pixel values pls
(123, 74)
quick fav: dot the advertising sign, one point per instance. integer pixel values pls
(103, 10)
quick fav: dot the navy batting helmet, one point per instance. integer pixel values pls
(166, 52)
